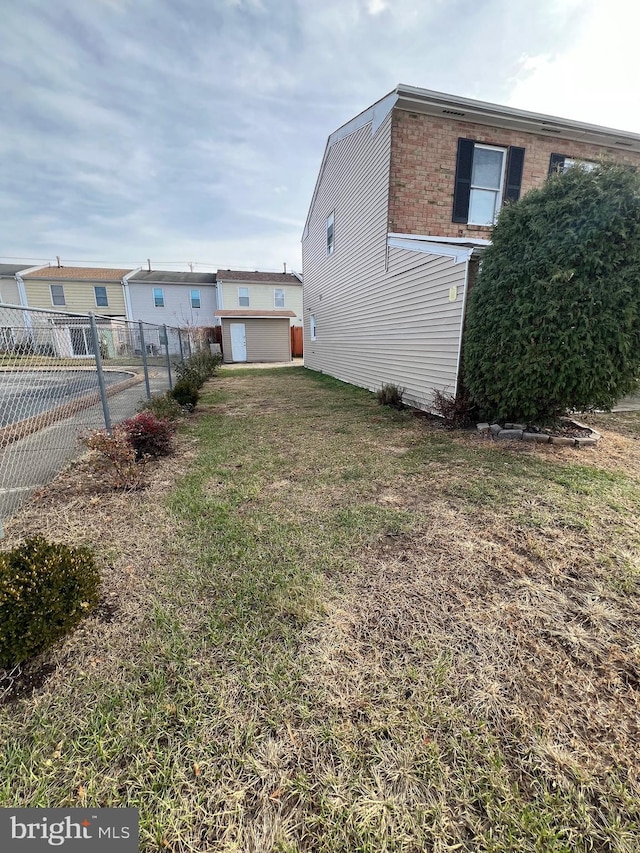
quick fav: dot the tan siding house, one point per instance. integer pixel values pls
(265, 291)
(399, 219)
(77, 289)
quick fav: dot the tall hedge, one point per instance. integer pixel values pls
(553, 323)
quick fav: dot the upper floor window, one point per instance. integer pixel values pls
(560, 163)
(57, 294)
(313, 328)
(331, 239)
(243, 297)
(485, 176)
(278, 297)
(158, 297)
(102, 300)
(195, 299)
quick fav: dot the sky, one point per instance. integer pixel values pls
(192, 131)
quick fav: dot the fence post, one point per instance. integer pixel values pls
(98, 358)
(166, 343)
(143, 348)
(180, 343)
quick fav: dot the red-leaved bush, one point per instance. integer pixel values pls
(148, 435)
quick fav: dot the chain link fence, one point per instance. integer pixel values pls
(63, 375)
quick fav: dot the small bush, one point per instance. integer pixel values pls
(391, 395)
(114, 458)
(164, 407)
(149, 435)
(457, 411)
(45, 590)
(198, 368)
(186, 394)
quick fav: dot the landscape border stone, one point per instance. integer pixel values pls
(519, 432)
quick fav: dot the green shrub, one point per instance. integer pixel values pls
(391, 395)
(46, 588)
(113, 458)
(163, 406)
(198, 368)
(553, 322)
(185, 394)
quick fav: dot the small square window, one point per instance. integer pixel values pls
(102, 300)
(331, 233)
(57, 294)
(243, 297)
(278, 297)
(313, 328)
(195, 299)
(158, 297)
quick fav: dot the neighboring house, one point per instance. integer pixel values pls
(184, 299)
(253, 334)
(404, 203)
(79, 290)
(264, 291)
(9, 283)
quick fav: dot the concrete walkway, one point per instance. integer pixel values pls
(257, 365)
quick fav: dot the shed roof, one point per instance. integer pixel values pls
(257, 276)
(239, 313)
(169, 277)
(79, 273)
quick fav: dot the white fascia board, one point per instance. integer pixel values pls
(374, 115)
(456, 241)
(460, 254)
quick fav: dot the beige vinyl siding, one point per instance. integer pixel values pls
(378, 321)
(79, 296)
(9, 292)
(267, 339)
(261, 297)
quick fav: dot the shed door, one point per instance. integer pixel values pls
(238, 342)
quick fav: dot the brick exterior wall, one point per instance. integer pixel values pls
(423, 168)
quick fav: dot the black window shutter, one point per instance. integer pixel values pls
(462, 187)
(556, 163)
(515, 164)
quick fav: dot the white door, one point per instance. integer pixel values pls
(238, 342)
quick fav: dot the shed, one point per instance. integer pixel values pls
(255, 335)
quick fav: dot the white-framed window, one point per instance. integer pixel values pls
(57, 294)
(585, 165)
(331, 232)
(243, 297)
(158, 297)
(487, 180)
(278, 297)
(195, 298)
(100, 293)
(313, 327)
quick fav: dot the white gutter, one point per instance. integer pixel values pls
(460, 254)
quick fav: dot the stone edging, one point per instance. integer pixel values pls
(518, 432)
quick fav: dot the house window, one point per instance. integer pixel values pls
(278, 297)
(485, 176)
(102, 299)
(57, 294)
(158, 297)
(243, 297)
(331, 241)
(195, 299)
(313, 328)
(560, 163)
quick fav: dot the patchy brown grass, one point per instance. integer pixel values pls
(329, 628)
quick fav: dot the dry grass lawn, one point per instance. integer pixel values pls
(327, 626)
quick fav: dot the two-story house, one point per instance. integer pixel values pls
(404, 203)
(78, 290)
(256, 311)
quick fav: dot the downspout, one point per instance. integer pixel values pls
(127, 295)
